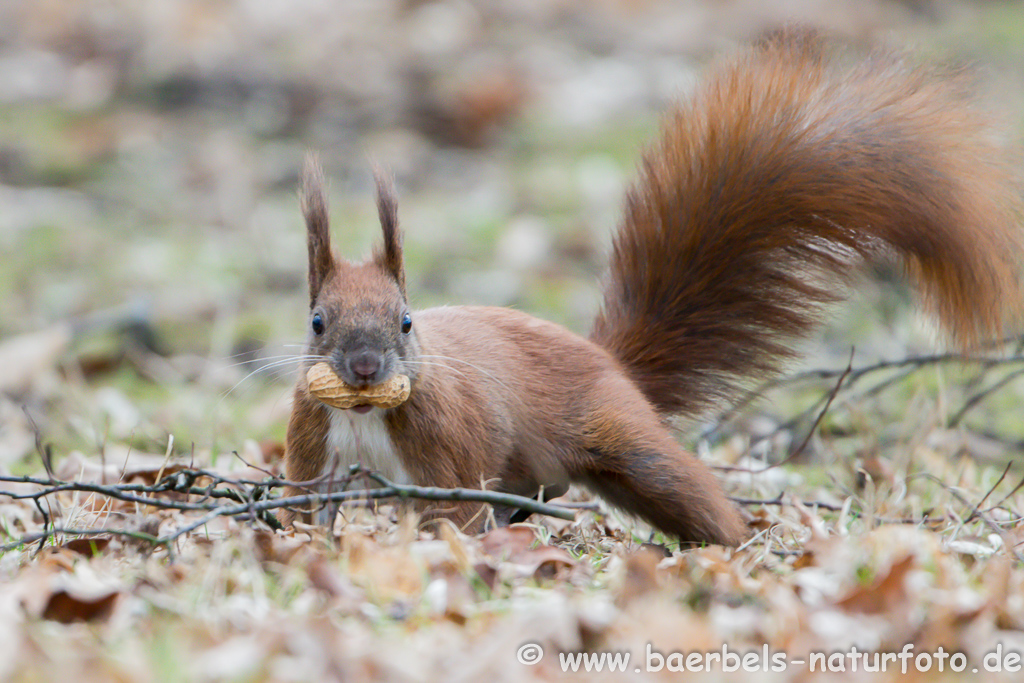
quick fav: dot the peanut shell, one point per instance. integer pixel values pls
(327, 387)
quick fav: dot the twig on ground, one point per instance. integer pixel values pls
(980, 396)
(810, 433)
(249, 498)
(908, 367)
(999, 481)
(388, 489)
(975, 513)
(781, 501)
(50, 532)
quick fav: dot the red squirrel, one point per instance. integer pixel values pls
(786, 170)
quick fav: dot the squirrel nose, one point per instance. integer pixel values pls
(365, 365)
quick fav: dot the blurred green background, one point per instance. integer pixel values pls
(149, 156)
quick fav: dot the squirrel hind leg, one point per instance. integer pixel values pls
(669, 488)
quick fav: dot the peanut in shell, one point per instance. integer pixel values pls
(325, 386)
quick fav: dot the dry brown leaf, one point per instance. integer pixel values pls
(389, 573)
(487, 574)
(1005, 598)
(505, 542)
(945, 626)
(87, 546)
(24, 357)
(810, 520)
(886, 594)
(640, 575)
(816, 549)
(59, 589)
(517, 545)
(452, 592)
(18, 516)
(59, 558)
(280, 548)
(456, 545)
(879, 469)
(714, 559)
(67, 607)
(805, 559)
(326, 578)
(761, 519)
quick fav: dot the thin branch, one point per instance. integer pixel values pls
(977, 398)
(779, 501)
(985, 519)
(117, 491)
(1020, 484)
(52, 531)
(909, 365)
(249, 499)
(387, 490)
(999, 481)
(810, 433)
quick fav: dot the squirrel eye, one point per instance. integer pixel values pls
(406, 323)
(318, 324)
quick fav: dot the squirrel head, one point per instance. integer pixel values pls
(359, 319)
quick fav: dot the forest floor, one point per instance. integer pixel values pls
(152, 303)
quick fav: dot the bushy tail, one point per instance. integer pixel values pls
(782, 174)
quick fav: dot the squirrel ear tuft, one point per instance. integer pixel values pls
(389, 257)
(318, 234)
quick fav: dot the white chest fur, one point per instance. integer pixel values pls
(363, 439)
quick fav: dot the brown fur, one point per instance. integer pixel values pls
(763, 196)
(304, 446)
(389, 256)
(780, 175)
(318, 236)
